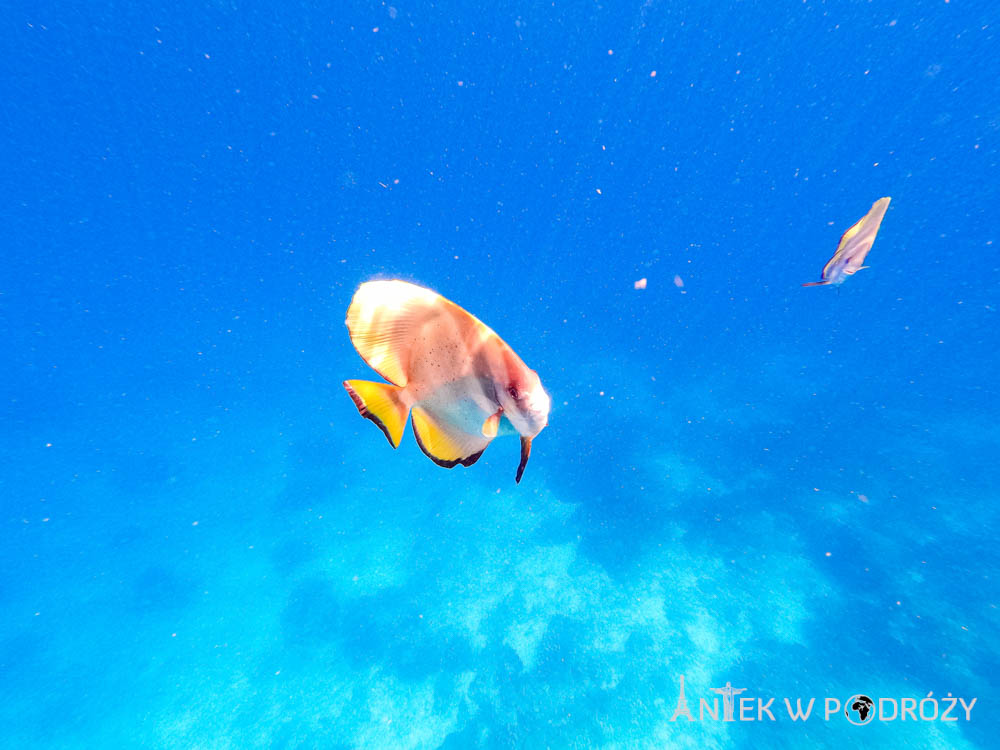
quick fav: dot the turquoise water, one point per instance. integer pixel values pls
(743, 481)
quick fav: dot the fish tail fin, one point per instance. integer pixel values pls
(382, 403)
(815, 283)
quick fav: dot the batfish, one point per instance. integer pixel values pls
(458, 382)
(854, 245)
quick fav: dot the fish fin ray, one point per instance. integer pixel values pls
(381, 403)
(444, 444)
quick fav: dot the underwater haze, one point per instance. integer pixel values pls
(792, 491)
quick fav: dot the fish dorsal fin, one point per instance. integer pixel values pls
(443, 443)
(386, 318)
(382, 319)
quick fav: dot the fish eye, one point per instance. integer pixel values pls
(512, 390)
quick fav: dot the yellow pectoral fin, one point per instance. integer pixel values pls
(381, 403)
(492, 424)
(443, 443)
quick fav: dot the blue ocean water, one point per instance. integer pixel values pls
(789, 490)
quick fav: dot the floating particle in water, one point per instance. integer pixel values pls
(640, 284)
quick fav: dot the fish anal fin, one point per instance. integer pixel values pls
(444, 444)
(382, 404)
(472, 459)
(816, 283)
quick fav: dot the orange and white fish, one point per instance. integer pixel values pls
(854, 246)
(458, 381)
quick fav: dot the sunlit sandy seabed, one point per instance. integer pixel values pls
(311, 589)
